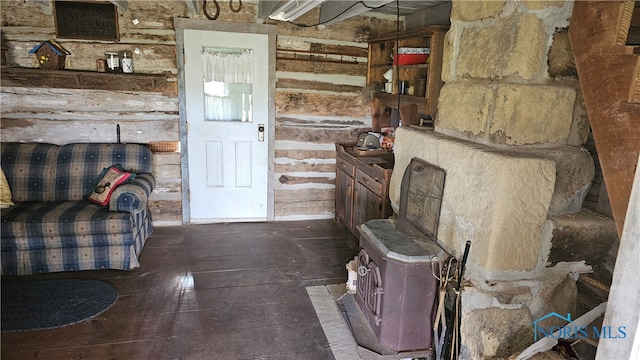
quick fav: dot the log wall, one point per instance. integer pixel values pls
(319, 98)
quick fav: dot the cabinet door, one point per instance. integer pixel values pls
(344, 197)
(368, 205)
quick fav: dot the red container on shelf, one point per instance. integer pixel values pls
(411, 59)
(412, 56)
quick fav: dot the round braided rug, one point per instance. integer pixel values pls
(47, 304)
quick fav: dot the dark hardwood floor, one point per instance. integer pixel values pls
(219, 291)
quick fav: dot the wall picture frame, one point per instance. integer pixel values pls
(86, 20)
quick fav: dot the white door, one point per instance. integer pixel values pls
(226, 87)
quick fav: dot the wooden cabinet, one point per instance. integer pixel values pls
(362, 186)
(424, 79)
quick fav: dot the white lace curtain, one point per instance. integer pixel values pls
(228, 84)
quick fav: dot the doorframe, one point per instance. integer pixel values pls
(181, 24)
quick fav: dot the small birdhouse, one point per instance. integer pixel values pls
(50, 55)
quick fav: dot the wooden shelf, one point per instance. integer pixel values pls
(389, 66)
(380, 66)
(418, 32)
(391, 101)
(75, 79)
(425, 77)
(415, 66)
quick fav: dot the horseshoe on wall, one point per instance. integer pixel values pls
(234, 9)
(206, 13)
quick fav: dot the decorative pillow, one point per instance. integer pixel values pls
(5, 192)
(106, 182)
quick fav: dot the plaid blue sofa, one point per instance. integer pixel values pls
(52, 226)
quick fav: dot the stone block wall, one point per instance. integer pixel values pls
(510, 77)
(498, 198)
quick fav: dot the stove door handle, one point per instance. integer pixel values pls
(363, 270)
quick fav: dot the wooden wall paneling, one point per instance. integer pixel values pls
(301, 154)
(292, 196)
(319, 134)
(305, 201)
(59, 115)
(304, 166)
(166, 212)
(168, 190)
(288, 102)
(29, 14)
(151, 15)
(297, 180)
(318, 67)
(84, 101)
(58, 132)
(65, 79)
(322, 209)
(316, 86)
(166, 165)
(346, 50)
(308, 49)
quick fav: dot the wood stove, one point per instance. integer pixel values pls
(396, 287)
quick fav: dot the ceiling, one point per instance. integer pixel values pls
(408, 7)
(415, 12)
(332, 11)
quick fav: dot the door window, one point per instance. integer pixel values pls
(228, 84)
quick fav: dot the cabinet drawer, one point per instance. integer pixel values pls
(345, 166)
(373, 184)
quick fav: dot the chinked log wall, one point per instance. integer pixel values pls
(318, 102)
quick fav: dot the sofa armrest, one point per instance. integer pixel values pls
(133, 196)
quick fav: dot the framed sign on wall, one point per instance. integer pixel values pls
(84, 20)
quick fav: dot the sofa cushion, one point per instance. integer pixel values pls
(30, 169)
(44, 223)
(79, 164)
(6, 200)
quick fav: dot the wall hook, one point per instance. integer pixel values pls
(235, 10)
(206, 13)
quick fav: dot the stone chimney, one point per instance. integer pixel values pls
(509, 130)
